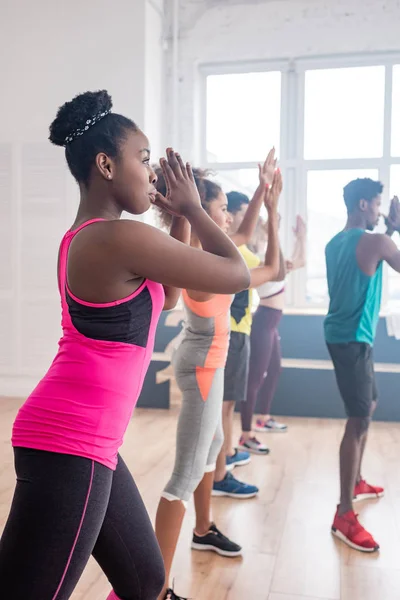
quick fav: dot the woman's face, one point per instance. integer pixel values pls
(218, 211)
(133, 177)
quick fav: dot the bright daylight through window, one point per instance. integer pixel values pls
(330, 123)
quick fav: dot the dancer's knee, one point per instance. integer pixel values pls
(182, 486)
(358, 426)
(154, 581)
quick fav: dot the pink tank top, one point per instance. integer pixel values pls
(84, 403)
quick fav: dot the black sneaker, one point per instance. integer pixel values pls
(215, 541)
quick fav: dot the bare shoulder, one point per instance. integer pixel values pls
(127, 233)
(110, 230)
(116, 242)
(372, 249)
(130, 226)
(373, 241)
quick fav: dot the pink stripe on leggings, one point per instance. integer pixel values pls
(77, 534)
(113, 596)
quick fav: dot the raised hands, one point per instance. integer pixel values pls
(267, 170)
(182, 195)
(300, 229)
(272, 195)
(392, 221)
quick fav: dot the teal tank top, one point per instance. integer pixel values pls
(355, 297)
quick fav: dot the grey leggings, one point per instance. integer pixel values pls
(200, 434)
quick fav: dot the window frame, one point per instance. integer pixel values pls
(293, 164)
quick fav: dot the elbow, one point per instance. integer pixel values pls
(169, 305)
(245, 238)
(278, 272)
(244, 280)
(301, 263)
(171, 300)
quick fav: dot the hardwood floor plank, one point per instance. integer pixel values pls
(368, 583)
(289, 553)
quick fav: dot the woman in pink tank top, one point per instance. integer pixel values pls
(74, 495)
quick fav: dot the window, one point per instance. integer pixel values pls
(396, 111)
(240, 180)
(344, 111)
(243, 116)
(331, 120)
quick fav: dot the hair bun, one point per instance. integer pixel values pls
(73, 114)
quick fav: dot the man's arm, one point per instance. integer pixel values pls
(389, 252)
(373, 248)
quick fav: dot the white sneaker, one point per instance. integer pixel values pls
(253, 445)
(270, 426)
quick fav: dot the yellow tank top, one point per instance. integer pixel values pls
(241, 307)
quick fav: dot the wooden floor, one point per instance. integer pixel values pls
(289, 553)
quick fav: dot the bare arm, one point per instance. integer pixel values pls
(388, 251)
(372, 249)
(264, 273)
(145, 251)
(273, 256)
(249, 223)
(382, 247)
(180, 230)
(298, 259)
(299, 254)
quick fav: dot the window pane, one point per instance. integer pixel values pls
(240, 180)
(243, 116)
(393, 277)
(326, 217)
(344, 111)
(396, 112)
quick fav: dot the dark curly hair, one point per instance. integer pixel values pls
(360, 189)
(208, 191)
(105, 136)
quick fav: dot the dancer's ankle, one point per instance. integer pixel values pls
(202, 528)
(344, 507)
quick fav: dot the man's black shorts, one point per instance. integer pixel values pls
(237, 367)
(354, 369)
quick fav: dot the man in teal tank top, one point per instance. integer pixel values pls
(354, 259)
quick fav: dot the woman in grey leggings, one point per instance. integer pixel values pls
(199, 363)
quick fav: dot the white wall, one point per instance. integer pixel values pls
(50, 52)
(215, 31)
(154, 76)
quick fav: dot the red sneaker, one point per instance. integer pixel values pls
(365, 491)
(348, 529)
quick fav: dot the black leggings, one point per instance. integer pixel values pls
(66, 508)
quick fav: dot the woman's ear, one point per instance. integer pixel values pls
(105, 166)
